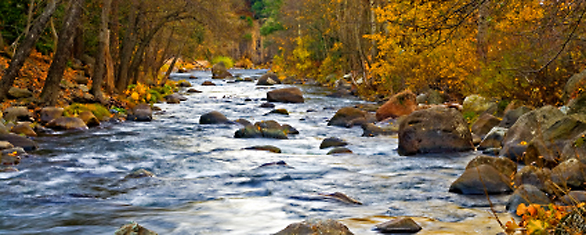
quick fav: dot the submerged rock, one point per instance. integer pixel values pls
(140, 173)
(339, 150)
(269, 148)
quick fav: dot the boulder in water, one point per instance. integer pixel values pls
(350, 116)
(89, 118)
(219, 71)
(141, 113)
(527, 194)
(480, 179)
(214, 117)
(286, 95)
(19, 141)
(434, 130)
(268, 79)
(332, 142)
(504, 165)
(24, 129)
(339, 150)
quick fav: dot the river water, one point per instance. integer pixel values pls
(207, 184)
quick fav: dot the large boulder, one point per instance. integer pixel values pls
(214, 117)
(350, 116)
(50, 113)
(24, 129)
(309, 227)
(434, 130)
(19, 141)
(570, 174)
(89, 118)
(17, 113)
(67, 123)
(478, 104)
(538, 177)
(219, 71)
(527, 194)
(481, 179)
(268, 79)
(526, 127)
(286, 95)
(546, 147)
(504, 165)
(575, 148)
(401, 104)
(574, 84)
(511, 116)
(494, 139)
(141, 113)
(484, 124)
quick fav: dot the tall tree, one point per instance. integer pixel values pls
(50, 91)
(24, 49)
(100, 66)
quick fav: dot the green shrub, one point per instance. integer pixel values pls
(228, 62)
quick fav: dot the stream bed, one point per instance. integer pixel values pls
(207, 184)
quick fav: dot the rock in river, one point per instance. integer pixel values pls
(286, 95)
(475, 180)
(141, 113)
(213, 117)
(350, 116)
(434, 130)
(67, 123)
(399, 225)
(400, 104)
(133, 229)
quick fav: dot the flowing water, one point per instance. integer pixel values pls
(207, 184)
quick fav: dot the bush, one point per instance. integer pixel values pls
(228, 62)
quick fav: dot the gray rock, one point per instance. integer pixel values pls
(141, 113)
(524, 130)
(504, 165)
(484, 124)
(268, 79)
(569, 174)
(527, 194)
(214, 117)
(17, 113)
(332, 142)
(371, 130)
(19, 141)
(434, 130)
(399, 225)
(538, 177)
(286, 95)
(493, 139)
(481, 179)
(350, 116)
(339, 150)
(512, 116)
(50, 113)
(67, 123)
(573, 198)
(219, 71)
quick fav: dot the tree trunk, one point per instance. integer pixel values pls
(127, 48)
(115, 28)
(110, 86)
(62, 54)
(24, 49)
(170, 69)
(481, 36)
(101, 55)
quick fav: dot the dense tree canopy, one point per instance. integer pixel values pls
(509, 49)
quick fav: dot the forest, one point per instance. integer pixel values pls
(507, 49)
